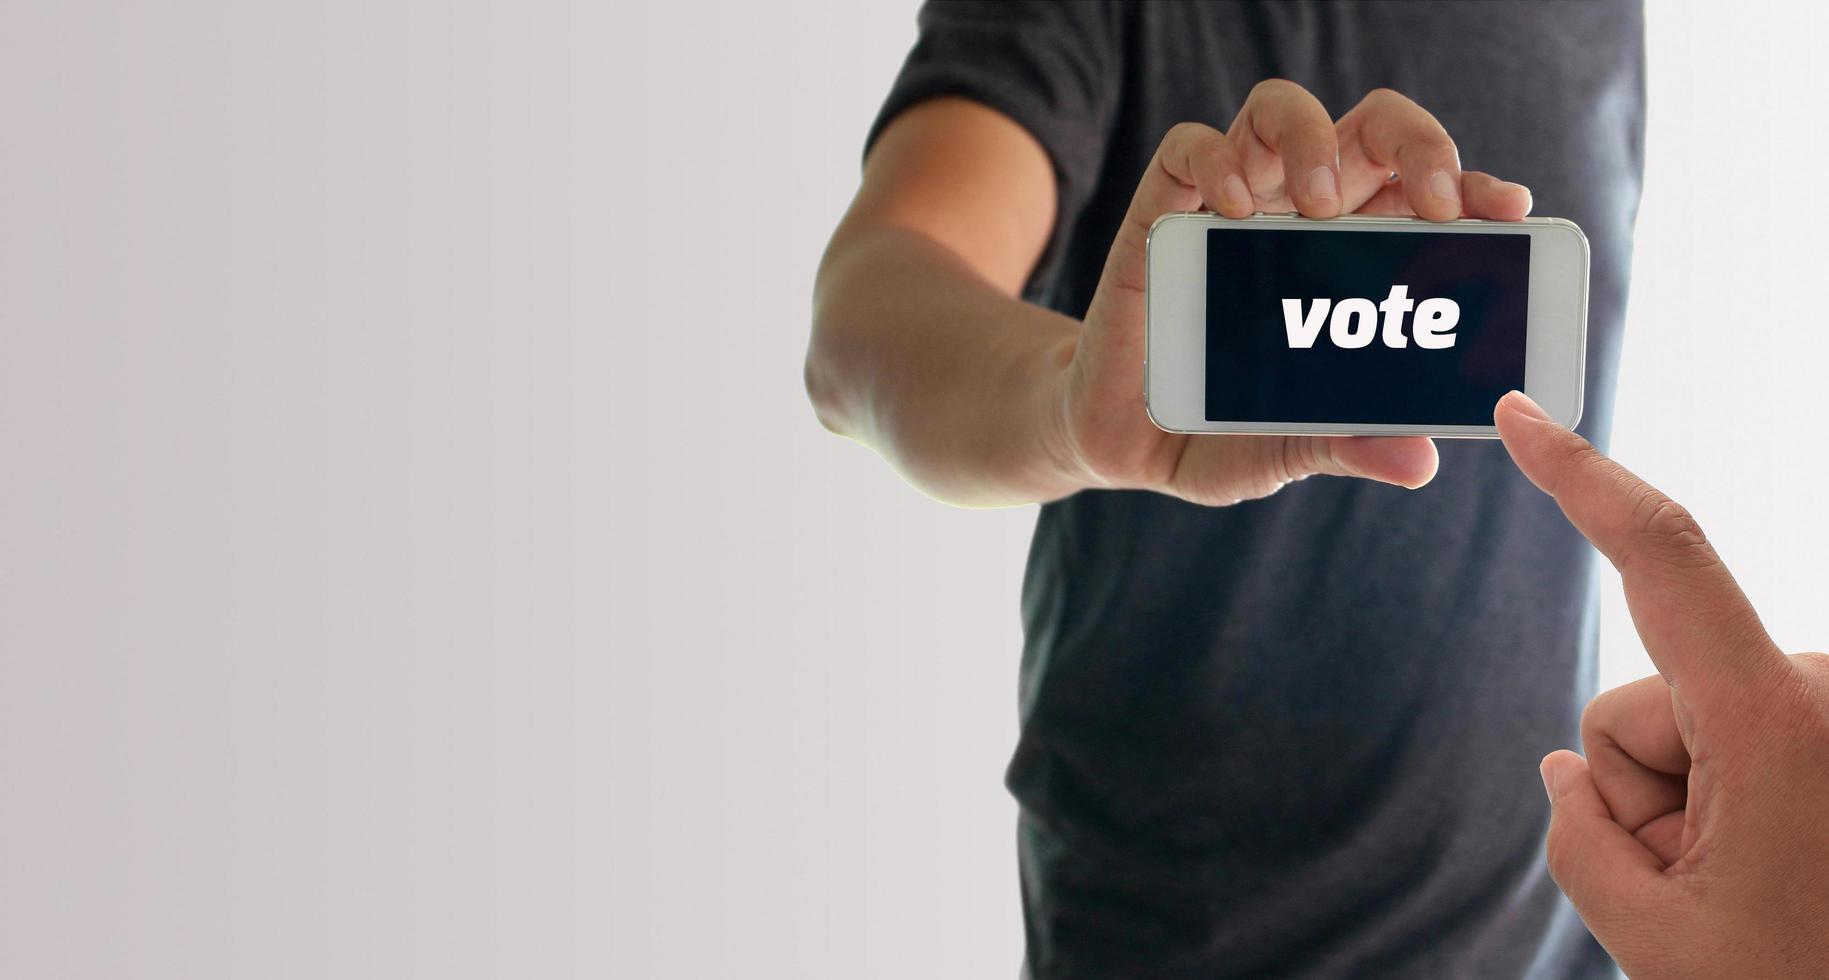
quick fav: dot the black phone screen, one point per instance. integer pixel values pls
(1406, 328)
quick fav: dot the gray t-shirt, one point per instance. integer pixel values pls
(1299, 736)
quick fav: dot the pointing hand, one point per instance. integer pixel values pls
(1694, 838)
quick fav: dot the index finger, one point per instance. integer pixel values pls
(1697, 625)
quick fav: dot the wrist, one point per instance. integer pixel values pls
(1065, 462)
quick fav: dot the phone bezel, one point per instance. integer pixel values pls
(1174, 365)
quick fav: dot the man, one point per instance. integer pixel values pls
(1692, 838)
(1267, 729)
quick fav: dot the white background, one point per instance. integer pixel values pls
(417, 557)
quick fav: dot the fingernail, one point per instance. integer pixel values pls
(1235, 191)
(1321, 185)
(1442, 186)
(1521, 403)
(1549, 782)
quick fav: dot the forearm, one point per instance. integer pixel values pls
(953, 382)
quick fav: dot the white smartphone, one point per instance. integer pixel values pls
(1361, 326)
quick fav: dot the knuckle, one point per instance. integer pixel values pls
(1673, 532)
(1291, 458)
(1284, 464)
(1425, 144)
(1435, 143)
(1286, 114)
(1307, 142)
(1212, 146)
(1556, 854)
(1416, 127)
(1804, 679)
(1182, 132)
(1582, 452)
(1592, 720)
(1275, 88)
(1815, 665)
(1600, 720)
(1320, 130)
(1576, 453)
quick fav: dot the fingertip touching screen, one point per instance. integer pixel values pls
(1403, 328)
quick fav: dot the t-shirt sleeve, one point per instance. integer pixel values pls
(1053, 67)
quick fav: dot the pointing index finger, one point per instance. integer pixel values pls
(1698, 626)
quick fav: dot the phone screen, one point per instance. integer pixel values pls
(1405, 328)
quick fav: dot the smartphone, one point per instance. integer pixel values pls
(1360, 325)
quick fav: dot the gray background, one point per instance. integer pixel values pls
(417, 557)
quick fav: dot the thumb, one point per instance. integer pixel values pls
(1605, 871)
(1405, 461)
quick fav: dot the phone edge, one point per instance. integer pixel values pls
(1326, 429)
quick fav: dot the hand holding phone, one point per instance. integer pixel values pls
(1387, 157)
